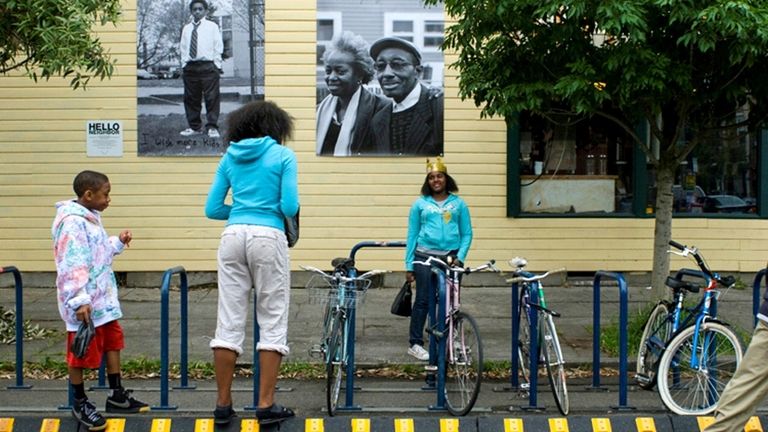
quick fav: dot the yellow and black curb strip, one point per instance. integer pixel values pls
(617, 423)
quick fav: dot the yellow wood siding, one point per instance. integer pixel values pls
(344, 201)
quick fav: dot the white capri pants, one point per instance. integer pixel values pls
(253, 256)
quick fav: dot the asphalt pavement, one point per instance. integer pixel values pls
(381, 341)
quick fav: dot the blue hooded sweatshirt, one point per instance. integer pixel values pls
(262, 175)
(432, 226)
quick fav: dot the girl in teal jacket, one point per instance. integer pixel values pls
(439, 225)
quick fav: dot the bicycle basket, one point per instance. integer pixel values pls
(325, 291)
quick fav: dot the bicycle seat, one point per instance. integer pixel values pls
(518, 262)
(677, 284)
(727, 280)
(343, 264)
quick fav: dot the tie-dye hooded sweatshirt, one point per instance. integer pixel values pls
(83, 253)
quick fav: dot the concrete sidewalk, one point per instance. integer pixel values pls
(381, 340)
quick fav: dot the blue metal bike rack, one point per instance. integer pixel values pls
(350, 380)
(623, 340)
(164, 335)
(19, 328)
(756, 292)
(533, 319)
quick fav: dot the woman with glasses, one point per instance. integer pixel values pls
(344, 116)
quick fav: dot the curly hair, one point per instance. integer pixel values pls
(258, 119)
(88, 181)
(356, 46)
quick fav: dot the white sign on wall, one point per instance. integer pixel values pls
(104, 138)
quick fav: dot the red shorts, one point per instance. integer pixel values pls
(109, 337)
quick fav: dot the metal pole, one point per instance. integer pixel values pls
(19, 327)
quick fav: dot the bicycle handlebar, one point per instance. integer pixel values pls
(685, 251)
(341, 278)
(490, 265)
(521, 278)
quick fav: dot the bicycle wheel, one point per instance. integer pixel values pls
(464, 368)
(553, 359)
(657, 331)
(524, 345)
(334, 364)
(689, 390)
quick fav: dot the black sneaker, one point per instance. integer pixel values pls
(223, 415)
(273, 414)
(122, 402)
(85, 412)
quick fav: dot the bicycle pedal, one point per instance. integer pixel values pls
(316, 351)
(642, 379)
(430, 368)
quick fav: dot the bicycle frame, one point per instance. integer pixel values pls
(447, 306)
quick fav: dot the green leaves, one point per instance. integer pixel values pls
(48, 38)
(690, 62)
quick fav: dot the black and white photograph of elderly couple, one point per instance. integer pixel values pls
(383, 97)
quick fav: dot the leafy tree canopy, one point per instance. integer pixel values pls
(692, 70)
(690, 63)
(47, 38)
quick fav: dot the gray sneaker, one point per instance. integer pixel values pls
(419, 352)
(85, 412)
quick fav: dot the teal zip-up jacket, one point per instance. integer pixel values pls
(431, 226)
(263, 177)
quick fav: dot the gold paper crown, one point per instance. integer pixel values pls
(437, 165)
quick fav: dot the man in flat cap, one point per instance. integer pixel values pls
(414, 125)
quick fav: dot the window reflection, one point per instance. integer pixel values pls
(574, 165)
(719, 176)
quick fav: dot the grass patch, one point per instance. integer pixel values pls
(144, 368)
(609, 334)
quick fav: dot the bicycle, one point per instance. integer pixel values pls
(689, 352)
(340, 293)
(550, 354)
(463, 355)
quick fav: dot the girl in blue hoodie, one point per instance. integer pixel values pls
(438, 224)
(261, 174)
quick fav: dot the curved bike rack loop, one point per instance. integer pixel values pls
(623, 340)
(164, 335)
(533, 319)
(19, 328)
(349, 388)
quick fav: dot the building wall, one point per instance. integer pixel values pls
(344, 200)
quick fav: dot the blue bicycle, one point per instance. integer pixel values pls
(689, 352)
(340, 293)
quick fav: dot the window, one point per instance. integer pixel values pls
(574, 165)
(328, 27)
(225, 23)
(425, 30)
(590, 167)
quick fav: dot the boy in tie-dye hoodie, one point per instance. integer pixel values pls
(87, 290)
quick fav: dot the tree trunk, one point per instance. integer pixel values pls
(665, 178)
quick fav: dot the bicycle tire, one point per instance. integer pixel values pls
(688, 391)
(464, 371)
(656, 333)
(553, 360)
(334, 364)
(524, 343)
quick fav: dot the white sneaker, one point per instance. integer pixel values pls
(419, 352)
(213, 133)
(189, 132)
